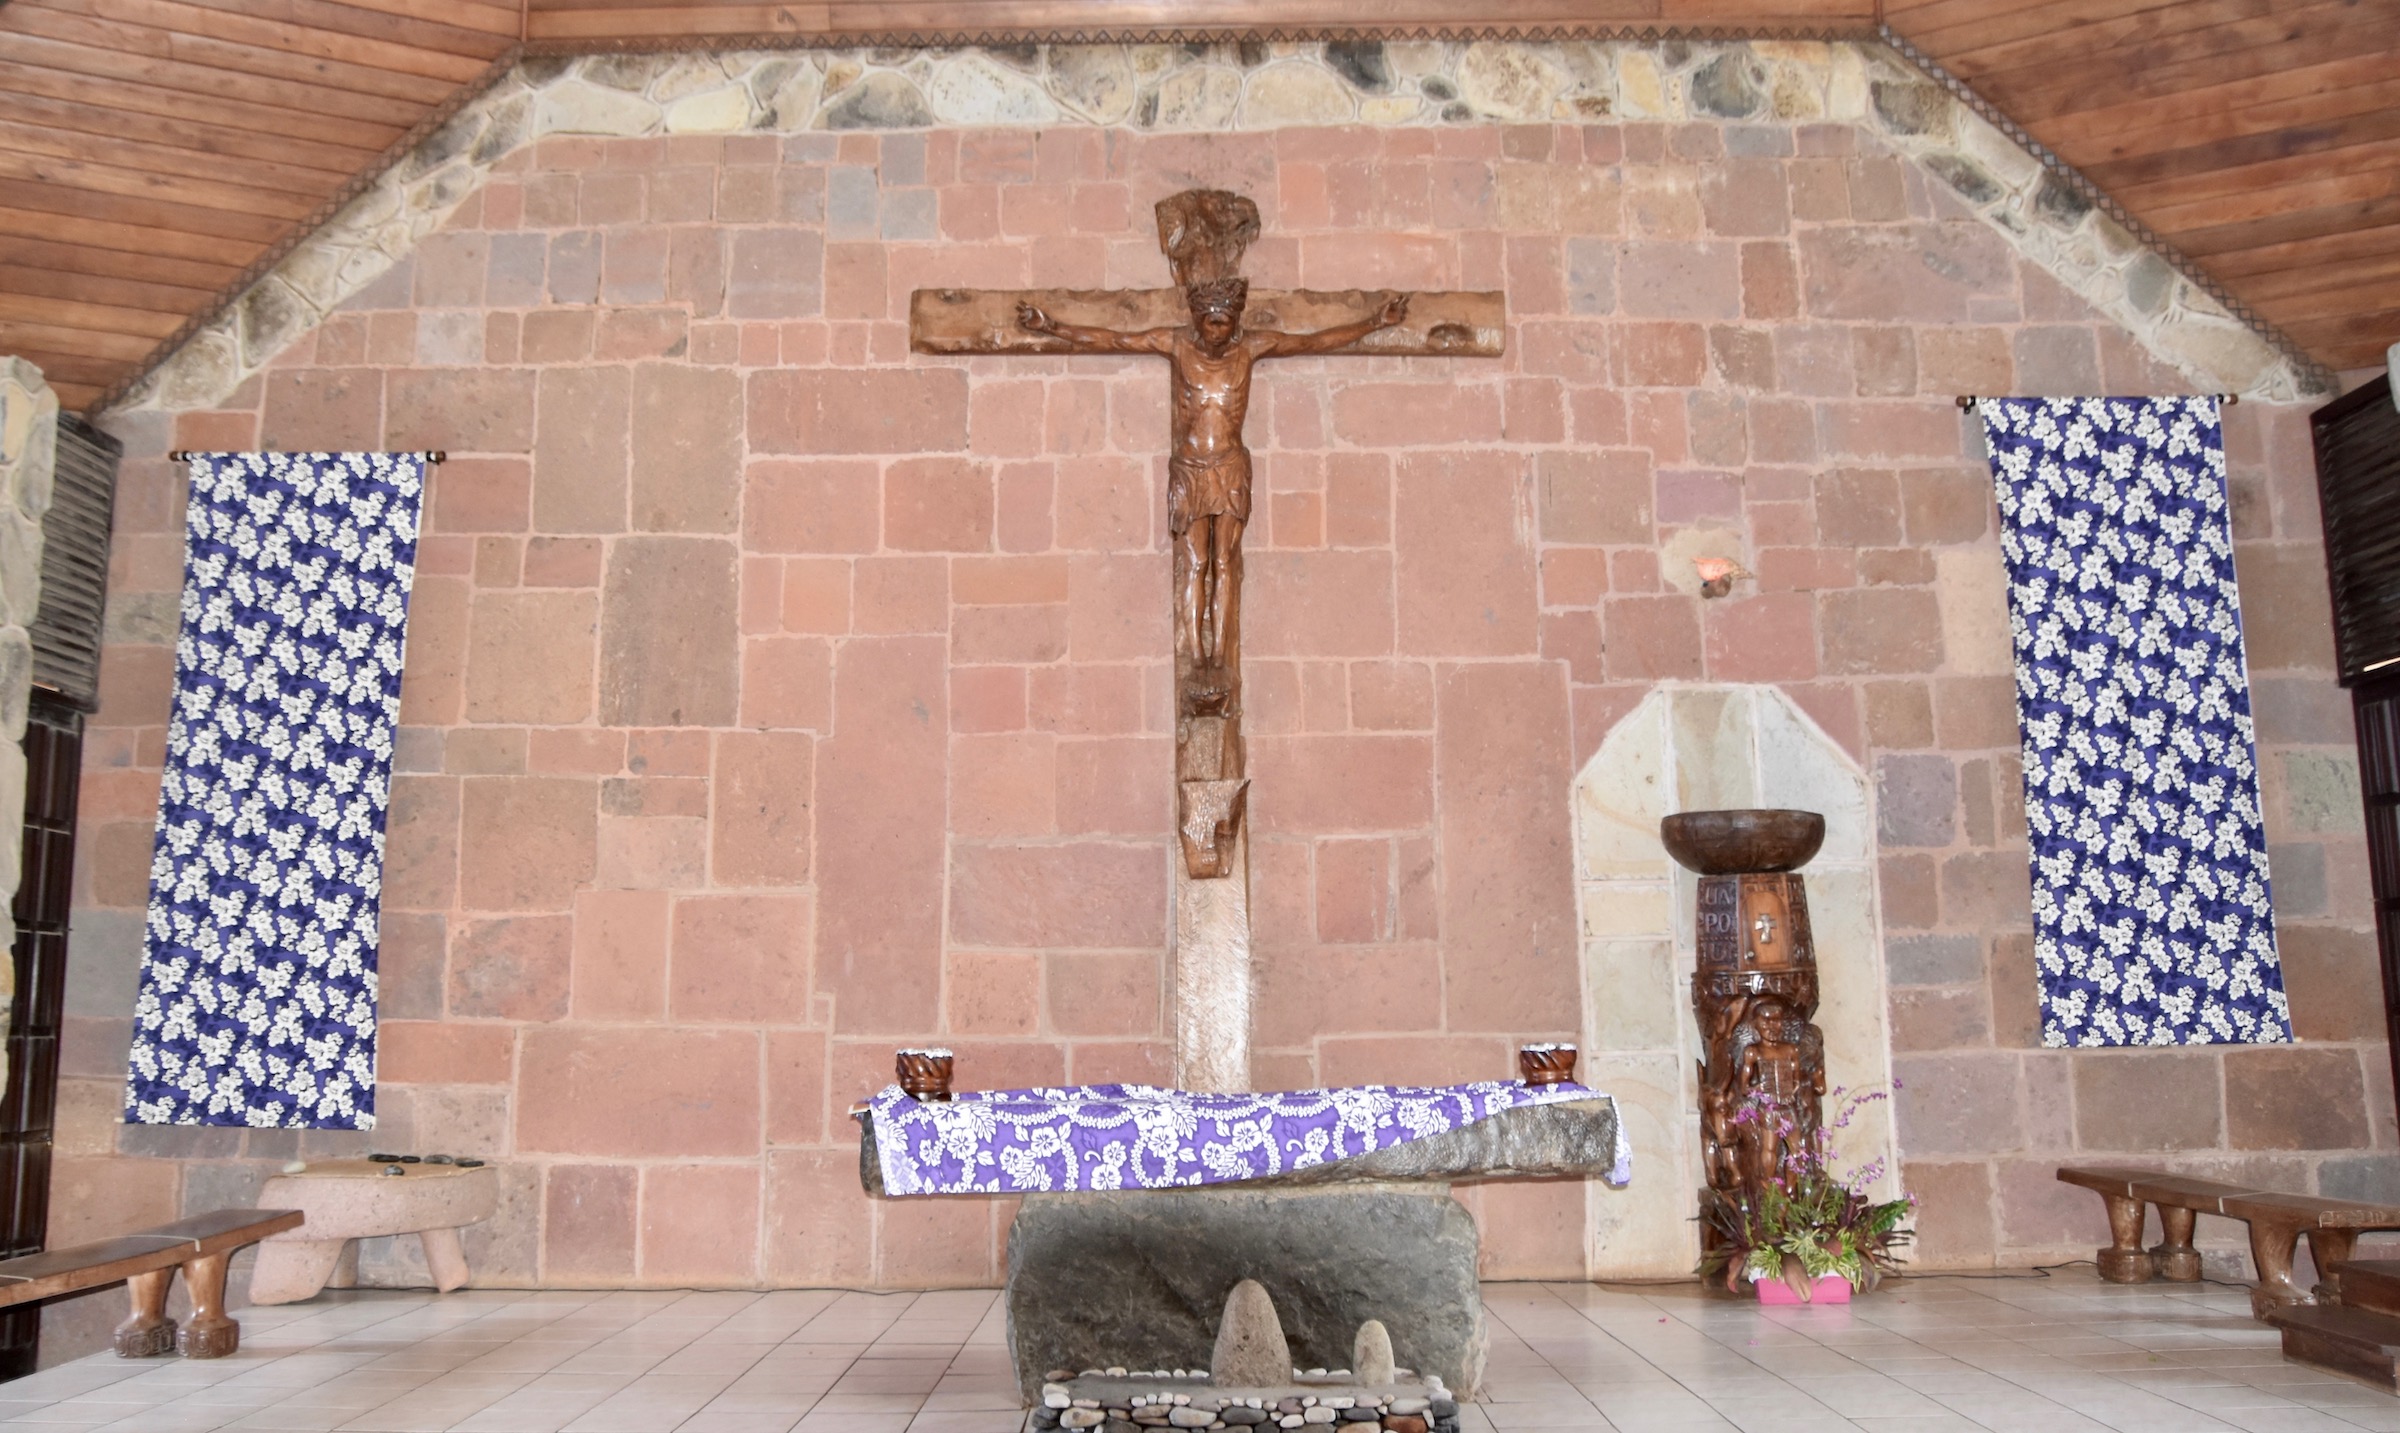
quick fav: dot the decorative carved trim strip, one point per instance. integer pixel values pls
(1862, 33)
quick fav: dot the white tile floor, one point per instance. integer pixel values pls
(1927, 1355)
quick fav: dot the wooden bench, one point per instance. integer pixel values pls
(2276, 1223)
(201, 1246)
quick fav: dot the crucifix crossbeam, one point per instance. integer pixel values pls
(1212, 330)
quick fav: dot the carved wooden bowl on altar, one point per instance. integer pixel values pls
(924, 1074)
(1723, 843)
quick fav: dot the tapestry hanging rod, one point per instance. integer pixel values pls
(431, 455)
(1969, 400)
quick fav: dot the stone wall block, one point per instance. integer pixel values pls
(670, 652)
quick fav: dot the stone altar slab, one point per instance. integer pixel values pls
(1137, 1278)
(1101, 1280)
(1571, 1139)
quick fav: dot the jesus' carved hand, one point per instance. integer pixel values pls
(1208, 467)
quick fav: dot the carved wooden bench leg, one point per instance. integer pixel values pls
(2177, 1259)
(210, 1334)
(147, 1332)
(2271, 1244)
(2125, 1261)
(2326, 1248)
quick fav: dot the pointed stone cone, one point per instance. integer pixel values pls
(1371, 1355)
(1251, 1352)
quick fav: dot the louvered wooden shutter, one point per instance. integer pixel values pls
(2358, 474)
(67, 627)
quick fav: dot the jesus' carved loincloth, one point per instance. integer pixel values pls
(1208, 468)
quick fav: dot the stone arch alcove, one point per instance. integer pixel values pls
(1703, 747)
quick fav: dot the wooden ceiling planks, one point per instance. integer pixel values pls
(2261, 138)
(152, 150)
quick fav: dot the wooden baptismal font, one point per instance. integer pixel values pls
(1754, 991)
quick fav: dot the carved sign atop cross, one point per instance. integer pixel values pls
(1211, 330)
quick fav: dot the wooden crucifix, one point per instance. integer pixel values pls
(1212, 330)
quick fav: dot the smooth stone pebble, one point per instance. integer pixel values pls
(1290, 1420)
(1319, 1414)
(1403, 1423)
(1248, 1417)
(1117, 1425)
(1081, 1418)
(1191, 1417)
(1442, 1408)
(1360, 1415)
(1341, 1400)
(1410, 1405)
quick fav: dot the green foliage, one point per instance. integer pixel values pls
(1808, 1222)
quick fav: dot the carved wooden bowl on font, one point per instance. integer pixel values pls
(1722, 843)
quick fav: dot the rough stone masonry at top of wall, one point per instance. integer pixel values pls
(776, 696)
(1247, 87)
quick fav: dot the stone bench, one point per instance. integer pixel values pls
(348, 1199)
(145, 1263)
(2276, 1223)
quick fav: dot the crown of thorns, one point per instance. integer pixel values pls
(1218, 295)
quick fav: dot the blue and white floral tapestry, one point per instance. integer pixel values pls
(257, 1002)
(2150, 912)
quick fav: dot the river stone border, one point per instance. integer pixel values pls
(1201, 88)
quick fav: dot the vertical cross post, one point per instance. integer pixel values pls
(1212, 329)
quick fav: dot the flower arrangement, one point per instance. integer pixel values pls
(1807, 1222)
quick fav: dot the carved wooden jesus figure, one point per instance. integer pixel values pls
(1208, 466)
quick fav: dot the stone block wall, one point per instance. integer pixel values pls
(776, 697)
(28, 453)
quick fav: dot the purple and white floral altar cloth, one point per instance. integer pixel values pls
(1109, 1137)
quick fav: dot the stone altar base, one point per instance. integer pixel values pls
(1138, 1279)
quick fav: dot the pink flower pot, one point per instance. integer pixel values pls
(1830, 1289)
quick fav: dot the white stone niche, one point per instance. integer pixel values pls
(1698, 748)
